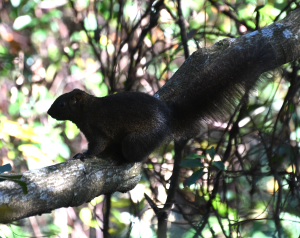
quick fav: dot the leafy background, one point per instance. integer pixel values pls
(105, 47)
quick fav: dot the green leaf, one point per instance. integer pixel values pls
(39, 35)
(195, 156)
(195, 176)
(50, 73)
(53, 52)
(103, 90)
(5, 168)
(63, 150)
(10, 176)
(90, 22)
(120, 203)
(71, 131)
(85, 215)
(13, 109)
(191, 163)
(22, 184)
(211, 151)
(15, 178)
(219, 165)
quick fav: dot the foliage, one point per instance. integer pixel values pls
(105, 47)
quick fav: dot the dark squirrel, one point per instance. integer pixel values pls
(137, 123)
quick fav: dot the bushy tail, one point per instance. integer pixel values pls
(211, 84)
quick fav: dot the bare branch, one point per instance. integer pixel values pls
(71, 183)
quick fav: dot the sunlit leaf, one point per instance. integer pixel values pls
(3, 52)
(85, 215)
(53, 52)
(75, 69)
(79, 62)
(50, 72)
(90, 22)
(219, 206)
(15, 3)
(103, 90)
(11, 154)
(96, 200)
(14, 129)
(26, 112)
(13, 109)
(54, 26)
(94, 80)
(71, 130)
(103, 40)
(42, 106)
(83, 36)
(21, 22)
(120, 203)
(49, 4)
(63, 150)
(75, 36)
(35, 153)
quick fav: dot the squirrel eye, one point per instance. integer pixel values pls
(61, 104)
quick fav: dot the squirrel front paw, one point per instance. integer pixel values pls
(82, 156)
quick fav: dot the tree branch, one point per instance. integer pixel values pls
(67, 184)
(282, 37)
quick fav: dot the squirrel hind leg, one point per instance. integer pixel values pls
(137, 147)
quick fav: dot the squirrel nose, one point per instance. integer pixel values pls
(49, 111)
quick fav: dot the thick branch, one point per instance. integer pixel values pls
(203, 68)
(66, 184)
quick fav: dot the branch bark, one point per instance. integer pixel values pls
(67, 184)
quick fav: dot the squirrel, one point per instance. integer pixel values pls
(137, 123)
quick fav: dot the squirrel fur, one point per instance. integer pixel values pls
(135, 121)
(138, 123)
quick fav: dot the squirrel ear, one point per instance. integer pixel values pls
(77, 96)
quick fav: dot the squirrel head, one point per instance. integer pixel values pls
(67, 106)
